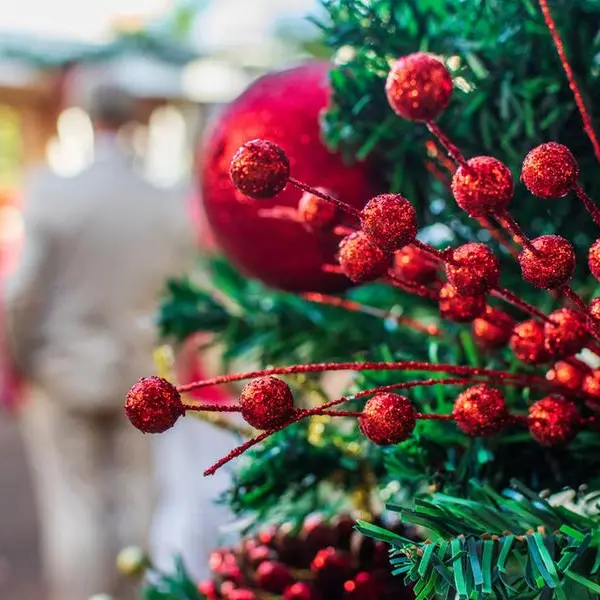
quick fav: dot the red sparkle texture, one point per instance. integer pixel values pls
(414, 266)
(552, 265)
(493, 329)
(472, 269)
(568, 374)
(267, 402)
(566, 333)
(550, 171)
(554, 421)
(458, 307)
(316, 213)
(594, 259)
(528, 344)
(361, 260)
(387, 419)
(480, 410)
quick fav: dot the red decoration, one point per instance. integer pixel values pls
(527, 343)
(331, 566)
(414, 266)
(242, 594)
(553, 264)
(472, 269)
(493, 329)
(361, 260)
(550, 171)
(387, 419)
(284, 108)
(316, 213)
(208, 589)
(266, 402)
(594, 259)
(299, 591)
(418, 87)
(153, 405)
(480, 410)
(259, 554)
(591, 384)
(390, 221)
(273, 577)
(316, 534)
(554, 421)
(484, 186)
(459, 308)
(567, 374)
(260, 169)
(567, 334)
(594, 309)
(364, 586)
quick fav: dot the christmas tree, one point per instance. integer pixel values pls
(473, 412)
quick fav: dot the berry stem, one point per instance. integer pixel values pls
(439, 255)
(505, 219)
(211, 407)
(450, 148)
(513, 299)
(433, 417)
(327, 197)
(343, 230)
(592, 209)
(485, 223)
(412, 288)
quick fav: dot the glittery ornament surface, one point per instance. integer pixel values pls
(414, 266)
(567, 334)
(482, 187)
(153, 405)
(387, 419)
(527, 343)
(458, 307)
(361, 260)
(567, 374)
(266, 402)
(390, 221)
(316, 213)
(591, 384)
(553, 264)
(480, 410)
(554, 421)
(550, 171)
(284, 108)
(494, 328)
(594, 259)
(594, 309)
(473, 269)
(418, 87)
(260, 169)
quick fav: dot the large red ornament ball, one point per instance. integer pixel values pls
(273, 577)
(316, 213)
(267, 402)
(418, 87)
(568, 374)
(549, 171)
(554, 421)
(527, 343)
(153, 405)
(480, 410)
(594, 259)
(260, 169)
(361, 260)
(566, 334)
(553, 264)
(484, 186)
(458, 307)
(473, 269)
(413, 265)
(387, 419)
(283, 108)
(390, 221)
(493, 329)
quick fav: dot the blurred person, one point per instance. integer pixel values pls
(78, 313)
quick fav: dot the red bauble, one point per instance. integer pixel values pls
(273, 577)
(299, 591)
(457, 307)
(418, 87)
(361, 260)
(567, 334)
(364, 586)
(553, 264)
(284, 108)
(267, 402)
(484, 186)
(527, 343)
(153, 405)
(317, 534)
(331, 567)
(317, 214)
(591, 384)
(413, 265)
(594, 259)
(387, 419)
(480, 410)
(208, 589)
(493, 329)
(473, 269)
(389, 221)
(554, 421)
(550, 171)
(594, 310)
(242, 594)
(568, 374)
(259, 554)
(260, 169)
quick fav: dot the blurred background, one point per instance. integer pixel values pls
(180, 60)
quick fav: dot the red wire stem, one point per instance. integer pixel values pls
(445, 141)
(588, 203)
(327, 197)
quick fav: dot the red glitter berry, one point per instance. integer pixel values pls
(316, 213)
(418, 87)
(260, 169)
(361, 260)
(550, 171)
(458, 307)
(594, 259)
(527, 343)
(390, 221)
(591, 384)
(387, 419)
(473, 269)
(273, 577)
(242, 594)
(414, 266)
(493, 329)
(553, 264)
(554, 421)
(266, 402)
(153, 405)
(568, 374)
(594, 310)
(480, 410)
(567, 334)
(484, 186)
(299, 591)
